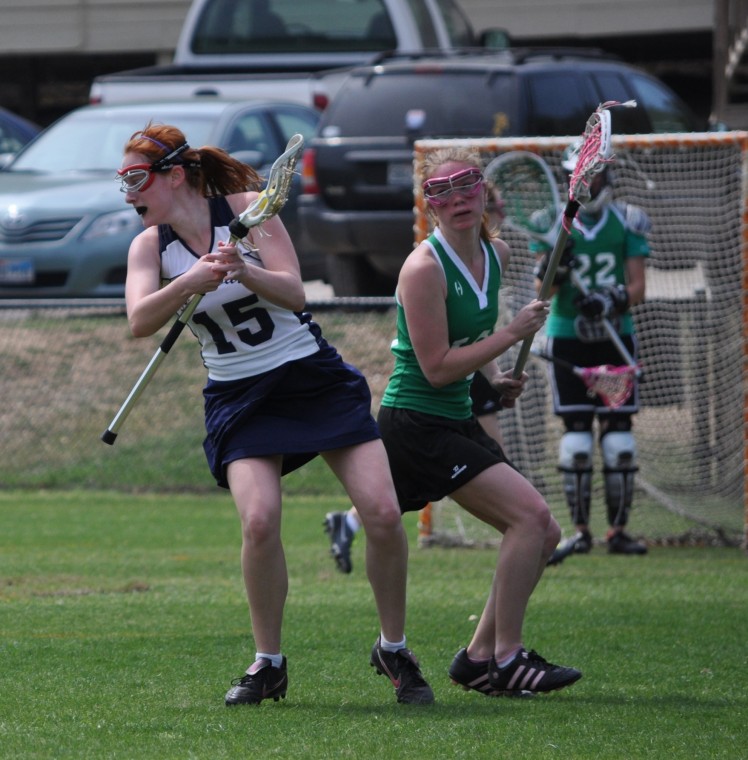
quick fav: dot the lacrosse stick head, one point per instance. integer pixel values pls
(612, 385)
(593, 153)
(528, 191)
(272, 199)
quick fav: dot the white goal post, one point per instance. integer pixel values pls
(692, 429)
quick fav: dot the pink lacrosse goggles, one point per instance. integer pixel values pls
(466, 182)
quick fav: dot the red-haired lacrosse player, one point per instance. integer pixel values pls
(277, 394)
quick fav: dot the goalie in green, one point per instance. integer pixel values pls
(601, 275)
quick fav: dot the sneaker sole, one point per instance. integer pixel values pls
(480, 684)
(556, 688)
(487, 691)
(237, 703)
(276, 693)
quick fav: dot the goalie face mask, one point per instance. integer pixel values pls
(601, 192)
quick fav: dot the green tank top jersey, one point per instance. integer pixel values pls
(472, 312)
(601, 247)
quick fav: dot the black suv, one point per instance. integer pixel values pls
(357, 201)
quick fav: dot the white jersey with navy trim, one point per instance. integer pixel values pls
(241, 334)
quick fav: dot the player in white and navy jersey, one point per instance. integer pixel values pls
(277, 393)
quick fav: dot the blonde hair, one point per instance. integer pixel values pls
(459, 155)
(211, 171)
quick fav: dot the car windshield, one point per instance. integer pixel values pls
(89, 141)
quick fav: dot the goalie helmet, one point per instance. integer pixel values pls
(601, 189)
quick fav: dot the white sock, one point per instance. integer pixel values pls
(276, 660)
(389, 646)
(508, 660)
(352, 522)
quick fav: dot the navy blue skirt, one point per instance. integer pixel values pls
(314, 404)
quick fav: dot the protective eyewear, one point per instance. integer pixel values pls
(140, 176)
(466, 182)
(135, 177)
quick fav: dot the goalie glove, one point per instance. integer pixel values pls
(604, 302)
(620, 298)
(565, 265)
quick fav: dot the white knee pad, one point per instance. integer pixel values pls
(575, 451)
(619, 450)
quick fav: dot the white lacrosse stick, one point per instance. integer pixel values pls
(593, 155)
(267, 204)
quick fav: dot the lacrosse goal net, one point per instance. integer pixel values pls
(692, 329)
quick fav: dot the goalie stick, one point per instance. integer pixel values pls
(613, 385)
(267, 204)
(529, 193)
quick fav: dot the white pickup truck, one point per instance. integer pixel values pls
(285, 49)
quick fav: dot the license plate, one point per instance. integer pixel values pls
(16, 271)
(400, 174)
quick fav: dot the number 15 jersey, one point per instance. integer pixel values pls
(240, 333)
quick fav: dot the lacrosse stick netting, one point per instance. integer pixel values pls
(612, 385)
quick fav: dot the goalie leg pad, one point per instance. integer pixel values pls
(575, 462)
(619, 458)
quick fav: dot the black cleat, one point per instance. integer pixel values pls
(474, 675)
(261, 681)
(528, 671)
(622, 543)
(341, 538)
(402, 669)
(579, 543)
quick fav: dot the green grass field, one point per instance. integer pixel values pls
(123, 621)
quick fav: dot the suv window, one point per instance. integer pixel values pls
(558, 103)
(227, 27)
(665, 110)
(611, 85)
(389, 97)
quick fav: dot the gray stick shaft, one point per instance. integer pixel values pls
(110, 434)
(545, 288)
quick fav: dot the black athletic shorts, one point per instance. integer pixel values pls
(486, 399)
(430, 456)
